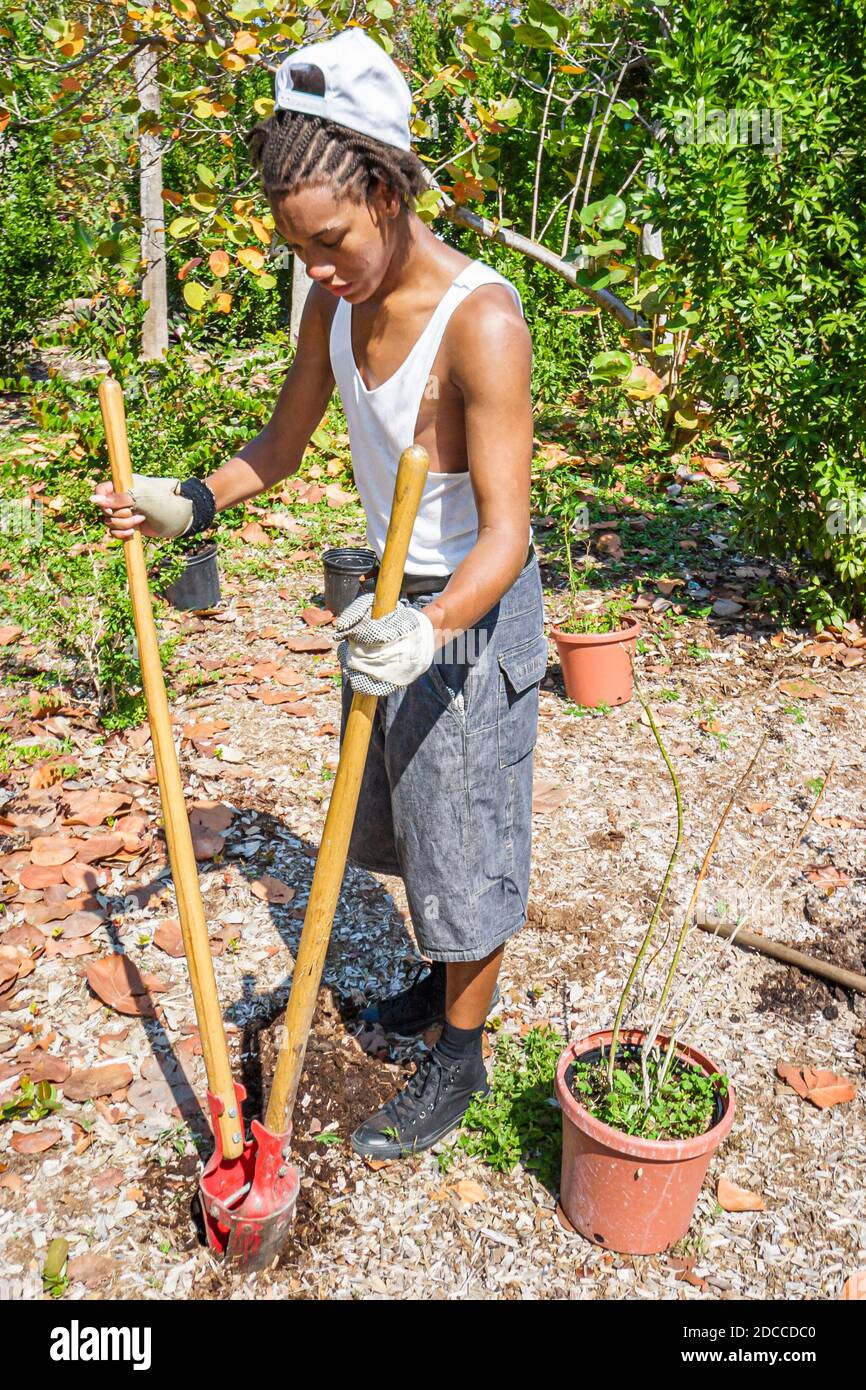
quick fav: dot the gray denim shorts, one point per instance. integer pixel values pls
(446, 796)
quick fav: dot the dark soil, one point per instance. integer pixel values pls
(344, 1085)
(797, 995)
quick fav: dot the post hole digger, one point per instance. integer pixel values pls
(249, 1187)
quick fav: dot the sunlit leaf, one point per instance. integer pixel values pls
(195, 295)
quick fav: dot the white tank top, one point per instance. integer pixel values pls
(382, 424)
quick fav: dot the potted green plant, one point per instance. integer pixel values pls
(596, 646)
(643, 1111)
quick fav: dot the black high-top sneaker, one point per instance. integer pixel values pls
(430, 1106)
(417, 1008)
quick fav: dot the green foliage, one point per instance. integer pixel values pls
(765, 239)
(680, 1108)
(66, 587)
(519, 1120)
(32, 1101)
(612, 617)
(221, 409)
(37, 251)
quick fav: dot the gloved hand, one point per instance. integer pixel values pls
(157, 509)
(382, 655)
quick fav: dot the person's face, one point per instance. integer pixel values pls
(345, 246)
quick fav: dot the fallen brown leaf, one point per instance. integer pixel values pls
(828, 876)
(272, 890)
(337, 496)
(52, 849)
(107, 1180)
(210, 815)
(288, 675)
(98, 847)
(205, 728)
(92, 807)
(804, 690)
(822, 1088)
(97, 1081)
(468, 1192)
(855, 1285)
(307, 642)
(118, 982)
(546, 796)
(317, 617)
(91, 1270)
(40, 875)
(113, 1044)
(168, 937)
(207, 844)
(70, 950)
(34, 1141)
(733, 1198)
(87, 877)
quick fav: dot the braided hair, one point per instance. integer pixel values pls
(291, 149)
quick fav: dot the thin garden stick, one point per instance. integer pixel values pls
(653, 922)
(685, 980)
(807, 822)
(702, 873)
(732, 937)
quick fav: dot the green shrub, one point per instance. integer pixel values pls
(184, 416)
(767, 242)
(37, 250)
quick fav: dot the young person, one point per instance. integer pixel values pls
(427, 346)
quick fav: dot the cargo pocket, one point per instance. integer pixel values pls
(521, 669)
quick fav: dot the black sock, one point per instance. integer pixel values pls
(457, 1043)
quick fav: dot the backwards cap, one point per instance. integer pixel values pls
(351, 81)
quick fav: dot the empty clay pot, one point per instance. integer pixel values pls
(635, 1196)
(596, 666)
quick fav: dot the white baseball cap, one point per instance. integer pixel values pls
(351, 81)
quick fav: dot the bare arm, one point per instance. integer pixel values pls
(277, 450)
(495, 384)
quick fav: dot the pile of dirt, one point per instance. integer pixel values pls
(795, 994)
(344, 1086)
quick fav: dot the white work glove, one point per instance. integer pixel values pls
(382, 655)
(157, 500)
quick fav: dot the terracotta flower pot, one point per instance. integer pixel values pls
(596, 666)
(636, 1196)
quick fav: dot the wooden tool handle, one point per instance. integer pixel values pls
(777, 950)
(331, 859)
(178, 834)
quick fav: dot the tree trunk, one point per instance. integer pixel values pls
(301, 283)
(154, 291)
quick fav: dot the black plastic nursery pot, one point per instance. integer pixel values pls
(346, 567)
(198, 586)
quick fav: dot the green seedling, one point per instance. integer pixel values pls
(681, 1107)
(32, 1102)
